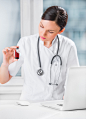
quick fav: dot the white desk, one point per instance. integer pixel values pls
(10, 110)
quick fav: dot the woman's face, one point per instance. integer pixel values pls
(48, 30)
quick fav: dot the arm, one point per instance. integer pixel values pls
(4, 74)
(8, 58)
(72, 57)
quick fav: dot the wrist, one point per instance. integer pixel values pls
(4, 64)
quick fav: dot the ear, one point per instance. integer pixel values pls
(61, 31)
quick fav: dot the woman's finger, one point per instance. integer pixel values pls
(4, 51)
(11, 48)
(14, 47)
(8, 51)
(7, 48)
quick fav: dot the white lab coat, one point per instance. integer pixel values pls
(37, 88)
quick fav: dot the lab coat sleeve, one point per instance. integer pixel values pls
(72, 57)
(15, 66)
(72, 60)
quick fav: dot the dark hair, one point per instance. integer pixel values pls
(57, 14)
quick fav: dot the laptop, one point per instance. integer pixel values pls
(75, 91)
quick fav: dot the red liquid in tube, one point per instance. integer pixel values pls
(17, 53)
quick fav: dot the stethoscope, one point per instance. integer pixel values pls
(40, 72)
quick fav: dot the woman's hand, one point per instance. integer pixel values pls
(8, 55)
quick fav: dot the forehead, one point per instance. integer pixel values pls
(51, 25)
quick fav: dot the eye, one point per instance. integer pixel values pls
(41, 26)
(51, 32)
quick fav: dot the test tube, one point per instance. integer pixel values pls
(17, 53)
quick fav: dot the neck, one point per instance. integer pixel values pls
(48, 44)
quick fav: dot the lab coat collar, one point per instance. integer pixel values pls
(54, 46)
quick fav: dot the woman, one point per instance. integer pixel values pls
(43, 81)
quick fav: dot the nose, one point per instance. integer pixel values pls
(44, 33)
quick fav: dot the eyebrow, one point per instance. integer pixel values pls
(49, 30)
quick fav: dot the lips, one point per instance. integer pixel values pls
(42, 37)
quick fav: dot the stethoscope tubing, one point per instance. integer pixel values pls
(40, 72)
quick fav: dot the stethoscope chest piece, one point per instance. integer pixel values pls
(40, 72)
